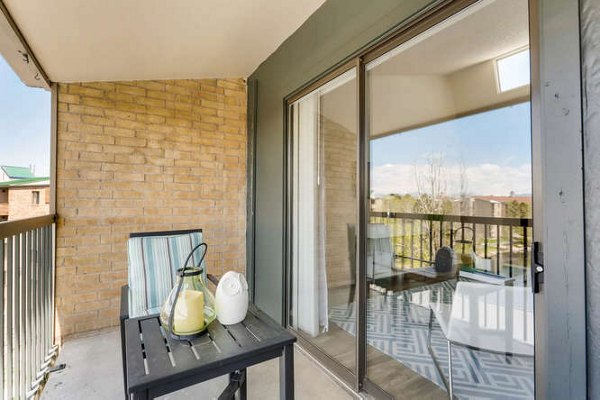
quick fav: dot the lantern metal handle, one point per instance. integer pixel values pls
(181, 273)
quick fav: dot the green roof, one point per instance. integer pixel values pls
(17, 172)
(23, 182)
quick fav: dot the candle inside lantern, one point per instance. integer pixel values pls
(189, 312)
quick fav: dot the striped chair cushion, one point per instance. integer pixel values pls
(153, 263)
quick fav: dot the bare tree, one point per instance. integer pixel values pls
(463, 189)
(431, 187)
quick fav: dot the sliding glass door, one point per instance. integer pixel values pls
(410, 210)
(324, 148)
(450, 308)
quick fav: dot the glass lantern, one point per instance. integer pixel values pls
(190, 306)
(466, 254)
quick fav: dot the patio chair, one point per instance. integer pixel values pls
(380, 254)
(153, 260)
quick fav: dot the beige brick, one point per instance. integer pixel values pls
(131, 89)
(85, 91)
(131, 141)
(143, 156)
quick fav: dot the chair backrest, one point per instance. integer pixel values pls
(380, 252)
(379, 238)
(154, 258)
(351, 230)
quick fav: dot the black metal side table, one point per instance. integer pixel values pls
(156, 364)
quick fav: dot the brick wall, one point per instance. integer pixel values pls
(143, 156)
(340, 203)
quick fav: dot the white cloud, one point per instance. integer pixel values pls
(483, 179)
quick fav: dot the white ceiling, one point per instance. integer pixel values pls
(100, 40)
(486, 30)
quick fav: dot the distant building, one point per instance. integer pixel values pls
(22, 195)
(507, 201)
(488, 206)
(477, 206)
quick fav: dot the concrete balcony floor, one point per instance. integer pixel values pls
(94, 371)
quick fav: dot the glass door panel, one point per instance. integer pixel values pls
(449, 304)
(324, 216)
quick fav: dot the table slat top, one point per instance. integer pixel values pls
(154, 357)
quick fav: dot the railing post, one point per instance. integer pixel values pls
(474, 225)
(33, 309)
(430, 240)
(485, 241)
(510, 251)
(421, 243)
(36, 304)
(498, 237)
(23, 316)
(45, 298)
(2, 291)
(403, 241)
(412, 242)
(9, 318)
(30, 308)
(17, 314)
(525, 253)
(462, 236)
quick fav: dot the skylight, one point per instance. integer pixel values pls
(513, 70)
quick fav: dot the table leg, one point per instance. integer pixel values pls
(447, 385)
(243, 389)
(286, 373)
(141, 395)
(237, 381)
(123, 352)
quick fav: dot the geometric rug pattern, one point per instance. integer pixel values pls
(399, 329)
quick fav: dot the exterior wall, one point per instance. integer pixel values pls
(143, 156)
(330, 35)
(590, 38)
(20, 204)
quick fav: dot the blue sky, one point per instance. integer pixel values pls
(500, 137)
(24, 123)
(494, 147)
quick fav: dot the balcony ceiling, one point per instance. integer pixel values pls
(102, 40)
(484, 31)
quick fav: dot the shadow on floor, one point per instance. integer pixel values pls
(94, 372)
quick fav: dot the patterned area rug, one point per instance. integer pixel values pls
(399, 329)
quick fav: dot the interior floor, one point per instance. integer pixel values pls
(398, 360)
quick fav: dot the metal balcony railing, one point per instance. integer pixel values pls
(416, 237)
(27, 303)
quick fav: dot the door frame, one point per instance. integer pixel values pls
(557, 173)
(557, 160)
